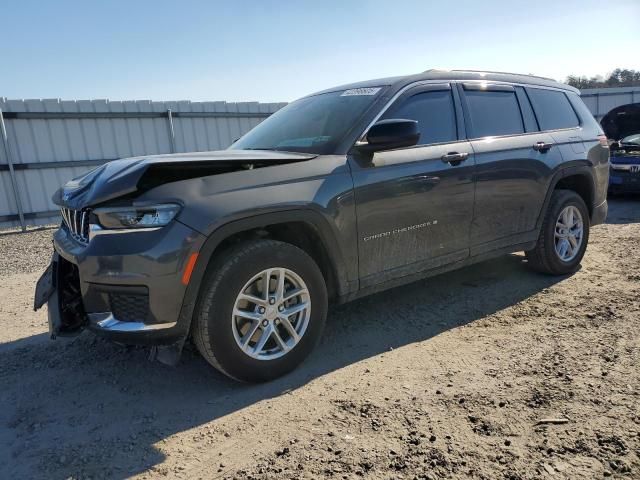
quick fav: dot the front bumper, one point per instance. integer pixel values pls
(130, 282)
(620, 181)
(624, 174)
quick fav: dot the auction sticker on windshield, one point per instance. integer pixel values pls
(360, 91)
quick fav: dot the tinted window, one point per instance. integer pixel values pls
(494, 113)
(314, 124)
(552, 108)
(435, 115)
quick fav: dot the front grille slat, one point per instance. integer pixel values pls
(84, 217)
(64, 216)
(77, 223)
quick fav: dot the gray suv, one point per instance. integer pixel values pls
(340, 194)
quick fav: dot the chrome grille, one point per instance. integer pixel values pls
(77, 222)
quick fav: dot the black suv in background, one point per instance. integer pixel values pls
(340, 194)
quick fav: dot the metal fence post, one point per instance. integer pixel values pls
(172, 133)
(12, 173)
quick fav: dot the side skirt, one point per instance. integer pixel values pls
(432, 272)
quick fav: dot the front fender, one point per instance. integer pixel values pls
(343, 263)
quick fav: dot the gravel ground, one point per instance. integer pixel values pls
(25, 252)
(451, 377)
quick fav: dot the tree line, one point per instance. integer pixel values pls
(620, 77)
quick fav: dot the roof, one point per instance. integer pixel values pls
(446, 75)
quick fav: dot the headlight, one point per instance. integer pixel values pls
(136, 217)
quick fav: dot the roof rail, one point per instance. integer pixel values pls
(503, 73)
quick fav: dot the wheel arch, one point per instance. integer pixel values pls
(303, 228)
(577, 178)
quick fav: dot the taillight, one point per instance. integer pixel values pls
(603, 140)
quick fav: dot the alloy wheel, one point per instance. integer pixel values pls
(569, 233)
(271, 313)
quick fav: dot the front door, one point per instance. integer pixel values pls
(414, 205)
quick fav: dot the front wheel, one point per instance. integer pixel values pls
(261, 311)
(564, 235)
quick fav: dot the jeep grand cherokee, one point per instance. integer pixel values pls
(340, 194)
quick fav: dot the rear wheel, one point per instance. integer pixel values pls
(261, 311)
(564, 235)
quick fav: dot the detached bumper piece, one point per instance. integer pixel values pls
(59, 287)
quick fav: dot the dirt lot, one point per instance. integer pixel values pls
(445, 378)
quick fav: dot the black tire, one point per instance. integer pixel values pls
(543, 258)
(212, 325)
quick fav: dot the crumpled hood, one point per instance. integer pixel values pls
(123, 177)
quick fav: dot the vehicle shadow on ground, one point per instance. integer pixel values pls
(87, 407)
(624, 209)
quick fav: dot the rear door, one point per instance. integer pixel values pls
(414, 205)
(513, 162)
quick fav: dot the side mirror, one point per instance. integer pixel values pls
(390, 134)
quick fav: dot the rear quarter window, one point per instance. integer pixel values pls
(553, 109)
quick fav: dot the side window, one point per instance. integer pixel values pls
(586, 117)
(434, 112)
(552, 109)
(494, 113)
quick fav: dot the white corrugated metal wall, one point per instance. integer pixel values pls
(51, 141)
(602, 100)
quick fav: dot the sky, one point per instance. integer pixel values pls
(280, 50)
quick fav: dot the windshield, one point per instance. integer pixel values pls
(632, 139)
(313, 124)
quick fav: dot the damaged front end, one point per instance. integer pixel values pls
(59, 288)
(126, 245)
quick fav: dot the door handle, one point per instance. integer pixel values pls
(455, 158)
(542, 147)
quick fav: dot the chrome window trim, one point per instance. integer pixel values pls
(361, 137)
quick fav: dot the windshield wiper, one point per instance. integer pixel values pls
(272, 149)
